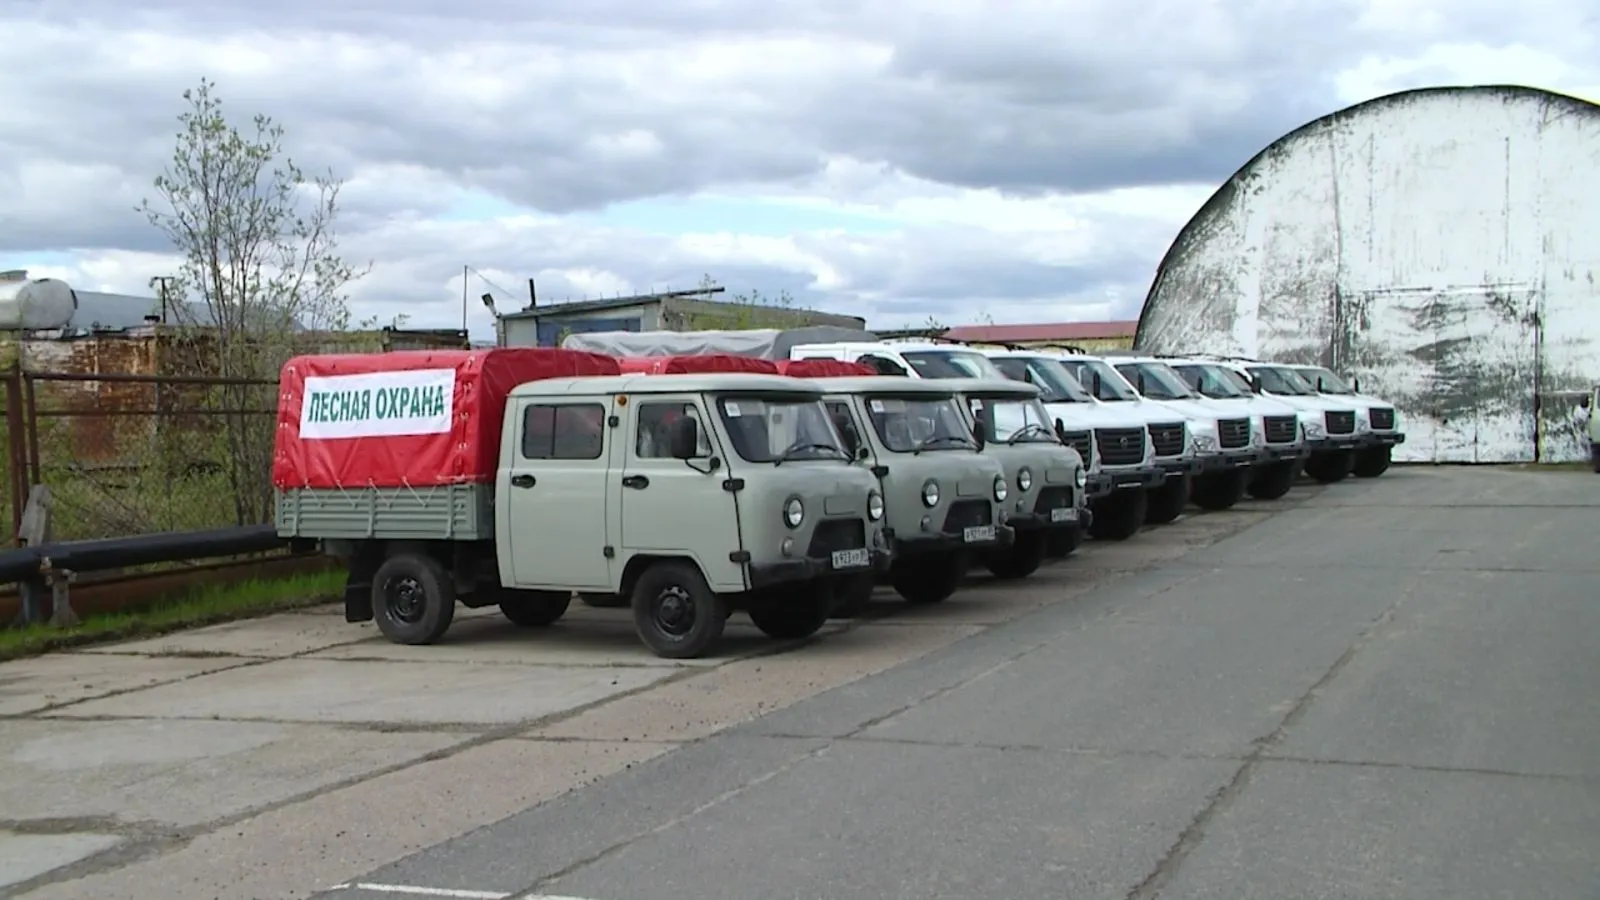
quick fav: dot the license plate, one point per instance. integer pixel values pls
(850, 559)
(1063, 514)
(977, 533)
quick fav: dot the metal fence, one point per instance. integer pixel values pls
(128, 454)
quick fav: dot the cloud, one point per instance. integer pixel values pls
(1029, 161)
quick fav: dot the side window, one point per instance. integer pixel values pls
(563, 431)
(651, 439)
(844, 423)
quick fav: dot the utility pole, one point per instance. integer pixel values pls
(162, 283)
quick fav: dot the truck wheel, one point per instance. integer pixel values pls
(929, 579)
(1594, 457)
(792, 611)
(851, 594)
(1167, 501)
(1120, 515)
(676, 613)
(1272, 482)
(1019, 560)
(1328, 468)
(413, 598)
(1373, 462)
(1060, 543)
(1219, 491)
(534, 609)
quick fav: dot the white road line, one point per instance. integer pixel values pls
(455, 893)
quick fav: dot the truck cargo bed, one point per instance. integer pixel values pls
(453, 512)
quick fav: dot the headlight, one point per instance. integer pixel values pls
(794, 512)
(1203, 433)
(930, 493)
(874, 505)
(1081, 479)
(1024, 480)
(1363, 422)
(1000, 487)
(1311, 427)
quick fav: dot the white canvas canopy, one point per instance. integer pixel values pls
(762, 343)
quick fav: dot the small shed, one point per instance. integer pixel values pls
(545, 326)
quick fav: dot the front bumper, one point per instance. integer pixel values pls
(1060, 518)
(1272, 453)
(806, 568)
(1228, 460)
(1115, 480)
(1381, 438)
(1180, 465)
(1334, 443)
(924, 543)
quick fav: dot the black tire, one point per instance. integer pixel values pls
(1021, 559)
(793, 611)
(1060, 543)
(413, 598)
(1273, 481)
(852, 594)
(1168, 500)
(534, 609)
(1372, 463)
(1120, 514)
(1332, 467)
(1220, 490)
(676, 613)
(929, 579)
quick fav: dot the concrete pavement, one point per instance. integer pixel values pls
(1389, 691)
(276, 757)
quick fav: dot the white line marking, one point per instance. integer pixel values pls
(417, 890)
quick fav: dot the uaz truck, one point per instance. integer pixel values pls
(520, 477)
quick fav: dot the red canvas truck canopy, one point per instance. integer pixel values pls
(821, 367)
(409, 418)
(691, 363)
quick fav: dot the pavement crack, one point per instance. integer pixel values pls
(1224, 797)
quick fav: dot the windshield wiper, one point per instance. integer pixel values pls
(1024, 431)
(788, 452)
(943, 438)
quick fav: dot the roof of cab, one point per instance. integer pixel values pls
(886, 384)
(993, 386)
(641, 383)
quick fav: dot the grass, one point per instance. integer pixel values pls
(201, 606)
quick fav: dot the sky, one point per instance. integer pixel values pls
(966, 161)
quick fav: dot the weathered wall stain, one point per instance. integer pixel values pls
(1437, 244)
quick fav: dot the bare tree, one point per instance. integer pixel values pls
(260, 260)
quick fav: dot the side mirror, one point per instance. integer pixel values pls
(1094, 384)
(1255, 383)
(1061, 431)
(684, 437)
(1584, 402)
(1322, 386)
(1355, 385)
(1027, 376)
(1138, 383)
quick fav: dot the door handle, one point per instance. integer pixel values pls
(522, 481)
(638, 482)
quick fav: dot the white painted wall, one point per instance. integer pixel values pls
(1442, 245)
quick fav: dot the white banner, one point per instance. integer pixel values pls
(378, 404)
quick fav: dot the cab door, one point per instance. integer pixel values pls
(673, 506)
(552, 484)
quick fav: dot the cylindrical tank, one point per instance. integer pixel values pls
(39, 304)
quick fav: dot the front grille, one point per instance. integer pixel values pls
(1233, 433)
(837, 534)
(1052, 497)
(966, 514)
(1080, 441)
(1382, 418)
(1340, 422)
(1119, 446)
(1168, 439)
(1282, 429)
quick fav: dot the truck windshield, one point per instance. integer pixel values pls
(1112, 388)
(1213, 381)
(1055, 383)
(1278, 380)
(951, 364)
(773, 429)
(1160, 382)
(1016, 420)
(1325, 381)
(915, 424)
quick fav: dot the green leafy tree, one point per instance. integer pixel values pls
(260, 262)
